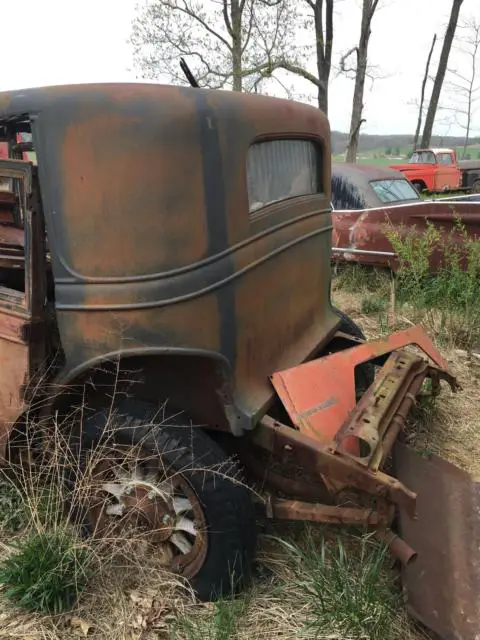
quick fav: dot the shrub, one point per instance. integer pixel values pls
(448, 300)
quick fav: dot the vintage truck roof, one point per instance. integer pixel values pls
(102, 95)
(152, 166)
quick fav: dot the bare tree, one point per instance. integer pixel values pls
(441, 71)
(360, 69)
(422, 93)
(234, 44)
(465, 85)
(318, 17)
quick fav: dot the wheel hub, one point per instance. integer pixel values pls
(141, 503)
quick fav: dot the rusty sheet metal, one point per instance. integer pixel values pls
(443, 585)
(365, 230)
(320, 395)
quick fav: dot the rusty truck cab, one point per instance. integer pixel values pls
(189, 237)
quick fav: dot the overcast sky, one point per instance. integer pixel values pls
(67, 41)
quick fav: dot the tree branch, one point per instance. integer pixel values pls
(195, 16)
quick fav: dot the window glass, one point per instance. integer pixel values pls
(444, 158)
(394, 190)
(422, 157)
(281, 169)
(345, 194)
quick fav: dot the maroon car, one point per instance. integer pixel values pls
(367, 199)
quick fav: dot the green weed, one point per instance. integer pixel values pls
(47, 571)
(448, 301)
(373, 304)
(359, 279)
(346, 589)
(220, 623)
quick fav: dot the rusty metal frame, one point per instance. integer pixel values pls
(319, 397)
(288, 444)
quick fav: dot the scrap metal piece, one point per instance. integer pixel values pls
(443, 585)
(318, 458)
(319, 395)
(329, 514)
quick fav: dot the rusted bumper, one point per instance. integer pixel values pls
(319, 397)
(442, 586)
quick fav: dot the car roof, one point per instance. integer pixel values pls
(351, 183)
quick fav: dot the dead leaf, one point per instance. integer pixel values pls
(141, 600)
(80, 625)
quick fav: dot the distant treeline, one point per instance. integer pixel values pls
(374, 142)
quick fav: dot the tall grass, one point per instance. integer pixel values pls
(346, 587)
(447, 301)
(43, 502)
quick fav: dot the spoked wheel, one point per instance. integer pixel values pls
(133, 499)
(170, 490)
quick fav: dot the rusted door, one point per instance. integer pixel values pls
(22, 290)
(447, 173)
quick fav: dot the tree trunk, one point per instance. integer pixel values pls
(422, 95)
(236, 22)
(324, 50)
(441, 71)
(357, 108)
(369, 7)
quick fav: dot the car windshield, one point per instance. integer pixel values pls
(422, 157)
(394, 190)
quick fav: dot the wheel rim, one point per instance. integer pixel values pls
(133, 498)
(476, 187)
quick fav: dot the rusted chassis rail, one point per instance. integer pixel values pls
(341, 445)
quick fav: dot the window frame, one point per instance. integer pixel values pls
(20, 171)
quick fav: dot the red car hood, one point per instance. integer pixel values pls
(412, 167)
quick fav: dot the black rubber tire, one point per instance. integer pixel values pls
(226, 502)
(419, 187)
(364, 373)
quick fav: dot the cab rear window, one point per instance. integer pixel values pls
(282, 169)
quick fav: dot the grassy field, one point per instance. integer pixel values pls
(399, 155)
(310, 581)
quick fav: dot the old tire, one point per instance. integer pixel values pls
(364, 373)
(223, 502)
(419, 187)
